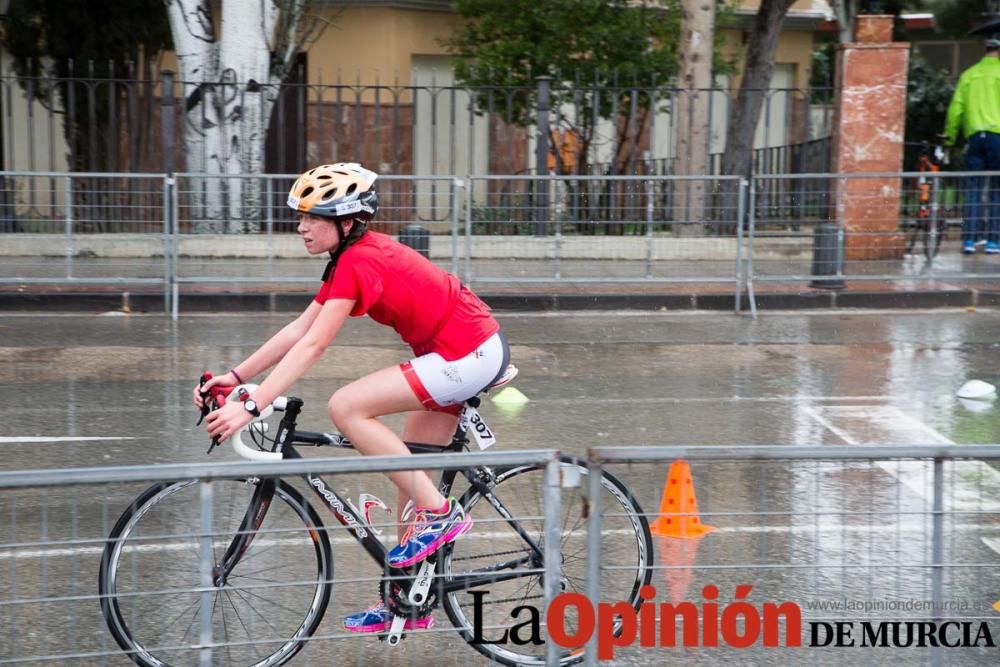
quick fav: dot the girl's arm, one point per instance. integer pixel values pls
(278, 345)
(305, 351)
(267, 355)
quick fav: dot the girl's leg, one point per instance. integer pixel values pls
(355, 409)
(428, 428)
(424, 427)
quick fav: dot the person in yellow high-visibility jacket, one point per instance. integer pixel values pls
(974, 113)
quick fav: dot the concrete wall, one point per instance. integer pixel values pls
(377, 42)
(286, 246)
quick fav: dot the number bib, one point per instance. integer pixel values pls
(473, 421)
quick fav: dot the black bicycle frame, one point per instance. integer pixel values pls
(348, 515)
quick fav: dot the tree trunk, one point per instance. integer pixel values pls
(241, 109)
(845, 11)
(194, 43)
(692, 113)
(230, 87)
(745, 112)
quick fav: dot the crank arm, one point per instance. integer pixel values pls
(396, 630)
(421, 583)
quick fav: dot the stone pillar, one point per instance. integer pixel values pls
(869, 120)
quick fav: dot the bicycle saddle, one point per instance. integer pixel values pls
(508, 374)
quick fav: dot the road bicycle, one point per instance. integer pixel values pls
(272, 562)
(928, 223)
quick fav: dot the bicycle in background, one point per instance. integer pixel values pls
(928, 222)
(271, 561)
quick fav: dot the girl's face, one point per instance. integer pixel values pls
(319, 234)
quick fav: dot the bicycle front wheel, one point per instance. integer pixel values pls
(268, 595)
(494, 547)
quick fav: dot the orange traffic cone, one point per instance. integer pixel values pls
(679, 507)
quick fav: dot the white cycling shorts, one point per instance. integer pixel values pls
(445, 385)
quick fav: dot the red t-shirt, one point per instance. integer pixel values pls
(397, 286)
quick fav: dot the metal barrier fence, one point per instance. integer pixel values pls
(57, 523)
(810, 229)
(83, 228)
(848, 534)
(819, 527)
(603, 229)
(870, 227)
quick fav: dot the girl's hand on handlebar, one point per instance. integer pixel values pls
(227, 420)
(203, 389)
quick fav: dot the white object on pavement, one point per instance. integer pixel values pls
(977, 390)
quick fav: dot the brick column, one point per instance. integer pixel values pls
(869, 119)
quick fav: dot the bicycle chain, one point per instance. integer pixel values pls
(491, 554)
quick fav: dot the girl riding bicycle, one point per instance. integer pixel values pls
(457, 345)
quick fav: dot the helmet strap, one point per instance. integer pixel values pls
(346, 240)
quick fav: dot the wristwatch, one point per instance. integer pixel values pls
(250, 406)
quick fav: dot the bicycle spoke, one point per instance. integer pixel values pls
(246, 630)
(261, 597)
(183, 611)
(225, 633)
(250, 579)
(197, 612)
(255, 647)
(256, 554)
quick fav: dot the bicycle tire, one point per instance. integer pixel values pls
(931, 247)
(632, 547)
(912, 233)
(149, 574)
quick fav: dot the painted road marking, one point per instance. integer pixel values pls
(993, 543)
(5, 440)
(969, 485)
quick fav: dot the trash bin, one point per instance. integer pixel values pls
(417, 238)
(828, 257)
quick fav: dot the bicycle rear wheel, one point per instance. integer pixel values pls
(493, 546)
(914, 230)
(935, 234)
(268, 605)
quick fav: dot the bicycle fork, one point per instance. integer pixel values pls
(246, 533)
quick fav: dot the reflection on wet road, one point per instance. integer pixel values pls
(114, 390)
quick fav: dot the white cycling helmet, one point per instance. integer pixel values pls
(342, 191)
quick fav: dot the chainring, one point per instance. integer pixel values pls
(395, 591)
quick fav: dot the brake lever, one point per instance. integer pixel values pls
(205, 395)
(213, 399)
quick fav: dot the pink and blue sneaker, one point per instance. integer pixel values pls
(378, 619)
(430, 530)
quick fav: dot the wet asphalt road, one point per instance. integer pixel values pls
(804, 532)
